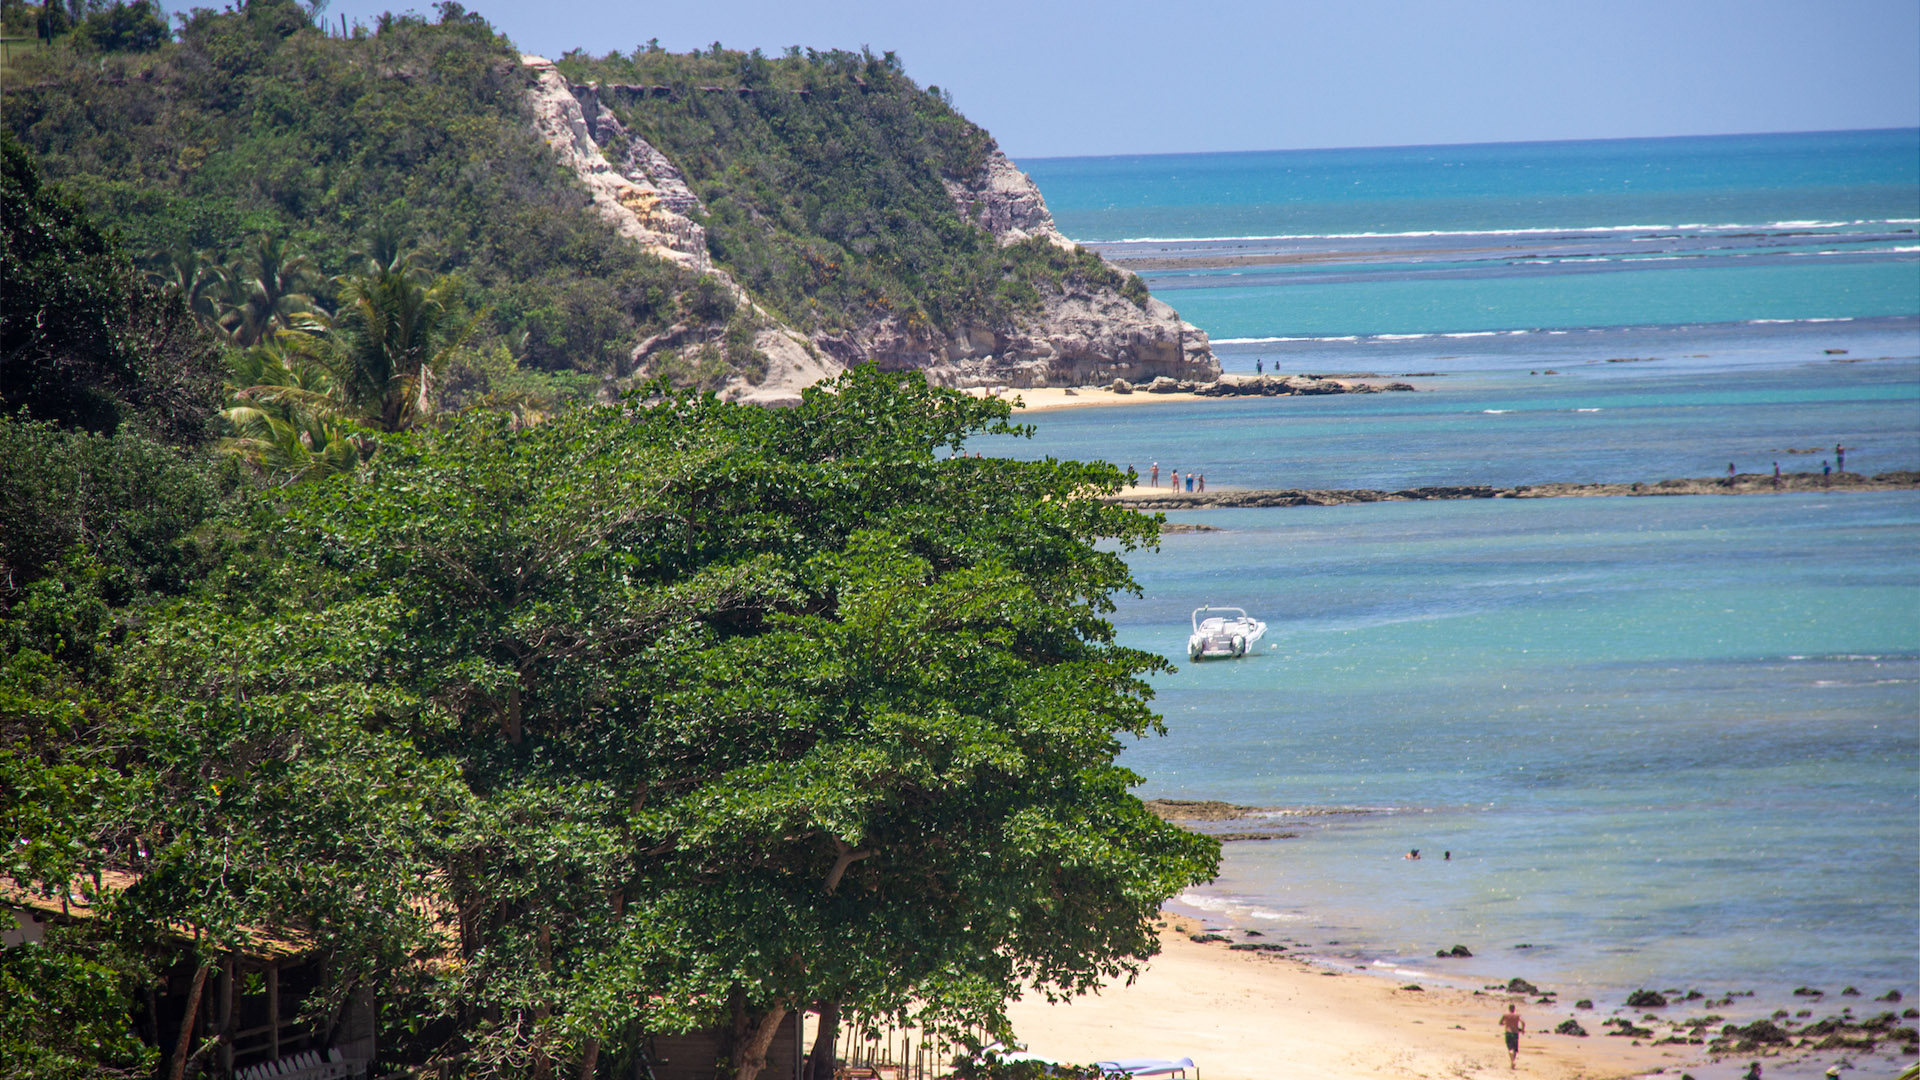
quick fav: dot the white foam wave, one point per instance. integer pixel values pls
(1473, 333)
(1570, 230)
(1586, 410)
(1275, 340)
(1496, 412)
(1400, 337)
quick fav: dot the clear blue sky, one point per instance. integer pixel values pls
(1122, 77)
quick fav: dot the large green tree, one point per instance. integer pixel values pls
(657, 716)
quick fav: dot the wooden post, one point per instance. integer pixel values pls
(273, 1010)
(225, 1053)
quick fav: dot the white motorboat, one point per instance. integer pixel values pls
(1223, 633)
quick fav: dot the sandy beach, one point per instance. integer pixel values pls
(1047, 398)
(1257, 1016)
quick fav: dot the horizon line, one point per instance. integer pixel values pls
(1472, 143)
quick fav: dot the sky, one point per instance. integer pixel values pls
(1056, 79)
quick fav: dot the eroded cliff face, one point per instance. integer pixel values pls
(1080, 335)
(646, 199)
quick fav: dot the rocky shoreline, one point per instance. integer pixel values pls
(1741, 484)
(1262, 386)
(1731, 1024)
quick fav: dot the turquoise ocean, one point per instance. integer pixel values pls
(1668, 742)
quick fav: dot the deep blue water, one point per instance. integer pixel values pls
(1510, 237)
(1671, 742)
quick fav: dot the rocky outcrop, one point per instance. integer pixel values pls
(1167, 499)
(1004, 201)
(1270, 386)
(1080, 336)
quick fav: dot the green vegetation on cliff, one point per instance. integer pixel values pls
(822, 177)
(255, 122)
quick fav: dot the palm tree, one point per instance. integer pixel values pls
(396, 334)
(267, 287)
(195, 278)
(286, 411)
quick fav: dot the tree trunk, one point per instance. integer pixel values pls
(186, 1025)
(590, 1061)
(752, 1034)
(542, 1061)
(820, 1061)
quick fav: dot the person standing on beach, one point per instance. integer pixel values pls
(1840, 457)
(1826, 473)
(1514, 1025)
(1776, 474)
(1730, 474)
(1155, 474)
(1203, 481)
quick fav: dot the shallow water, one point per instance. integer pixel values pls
(1669, 742)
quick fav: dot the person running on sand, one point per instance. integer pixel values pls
(1514, 1025)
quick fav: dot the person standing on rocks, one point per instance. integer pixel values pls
(1514, 1024)
(1776, 474)
(1840, 457)
(1730, 474)
(1826, 473)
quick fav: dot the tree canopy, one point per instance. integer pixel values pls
(652, 716)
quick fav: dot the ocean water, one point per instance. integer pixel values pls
(1525, 237)
(1668, 742)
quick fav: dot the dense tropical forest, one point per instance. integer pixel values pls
(341, 645)
(821, 185)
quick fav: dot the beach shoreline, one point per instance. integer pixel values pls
(1246, 1007)
(1251, 1015)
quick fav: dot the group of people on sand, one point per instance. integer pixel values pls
(1193, 479)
